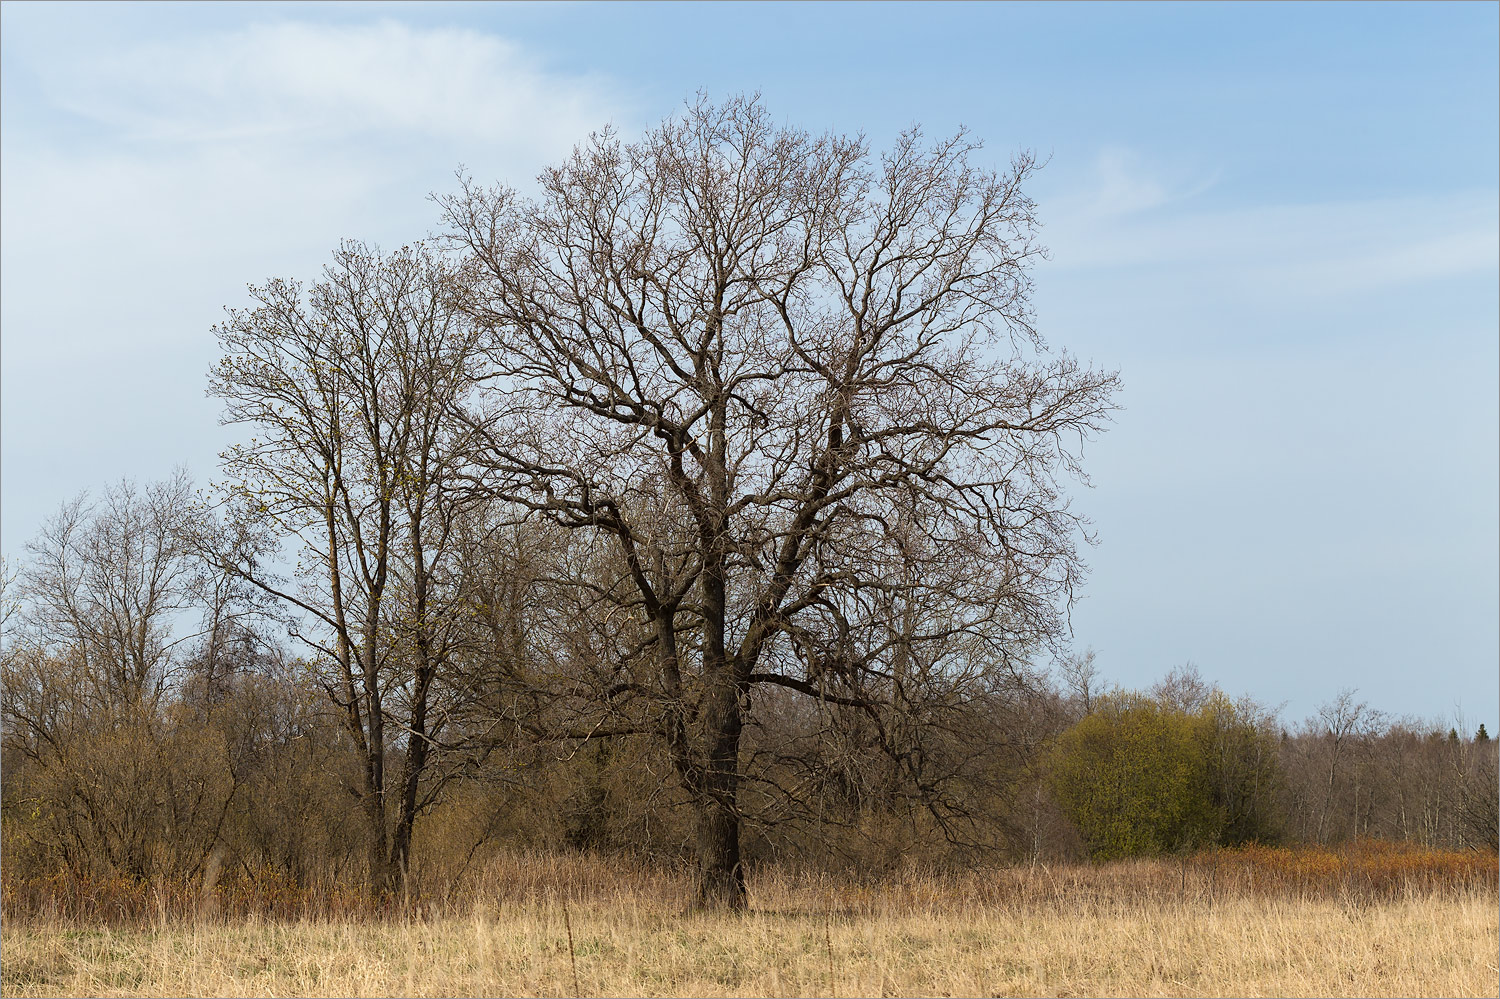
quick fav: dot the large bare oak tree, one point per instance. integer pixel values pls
(797, 389)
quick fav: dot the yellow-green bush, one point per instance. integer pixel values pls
(1139, 777)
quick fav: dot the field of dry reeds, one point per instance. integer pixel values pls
(1369, 920)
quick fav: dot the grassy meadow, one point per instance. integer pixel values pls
(1366, 921)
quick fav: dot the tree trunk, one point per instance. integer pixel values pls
(382, 878)
(416, 764)
(721, 883)
(721, 875)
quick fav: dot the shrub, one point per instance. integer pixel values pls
(1133, 777)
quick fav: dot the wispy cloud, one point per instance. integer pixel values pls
(179, 170)
(318, 82)
(1132, 215)
(1124, 182)
(254, 151)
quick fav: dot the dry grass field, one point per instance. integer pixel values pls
(1305, 923)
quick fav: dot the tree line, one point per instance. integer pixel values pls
(710, 502)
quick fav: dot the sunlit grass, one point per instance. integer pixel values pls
(1372, 921)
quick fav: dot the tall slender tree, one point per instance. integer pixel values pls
(351, 388)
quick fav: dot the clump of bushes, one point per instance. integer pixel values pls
(1142, 776)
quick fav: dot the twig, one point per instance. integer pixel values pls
(828, 945)
(572, 953)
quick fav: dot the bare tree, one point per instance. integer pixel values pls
(352, 389)
(1343, 727)
(10, 602)
(1081, 674)
(109, 582)
(118, 609)
(796, 390)
(1183, 689)
(1482, 812)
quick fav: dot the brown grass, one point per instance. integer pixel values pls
(1366, 921)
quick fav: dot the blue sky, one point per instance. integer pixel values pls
(1280, 222)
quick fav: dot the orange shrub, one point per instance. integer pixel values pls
(1362, 868)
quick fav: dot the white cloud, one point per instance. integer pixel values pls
(1132, 216)
(1123, 182)
(224, 158)
(314, 82)
(186, 169)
